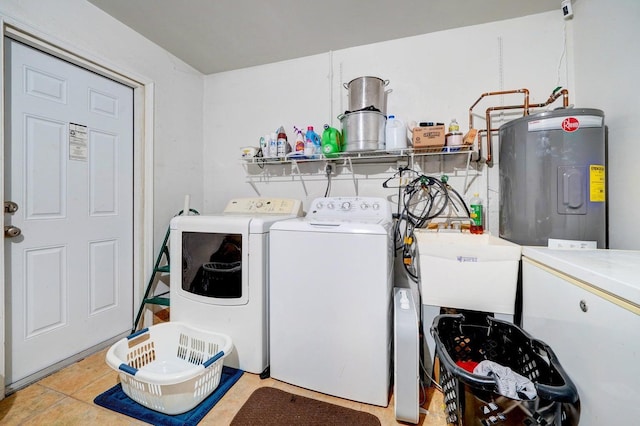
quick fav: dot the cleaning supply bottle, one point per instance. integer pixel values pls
(298, 148)
(283, 147)
(264, 145)
(331, 142)
(312, 144)
(317, 144)
(395, 134)
(273, 145)
(454, 126)
(476, 214)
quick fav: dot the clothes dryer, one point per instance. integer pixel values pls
(219, 278)
(331, 299)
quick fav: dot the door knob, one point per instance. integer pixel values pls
(10, 207)
(11, 231)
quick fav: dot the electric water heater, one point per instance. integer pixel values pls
(552, 177)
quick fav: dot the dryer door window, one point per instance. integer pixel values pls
(212, 264)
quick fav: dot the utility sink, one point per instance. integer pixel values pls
(477, 272)
(468, 271)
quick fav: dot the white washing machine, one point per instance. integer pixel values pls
(331, 299)
(219, 278)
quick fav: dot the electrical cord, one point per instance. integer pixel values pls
(426, 373)
(327, 169)
(421, 200)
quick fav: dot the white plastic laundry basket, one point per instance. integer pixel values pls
(170, 367)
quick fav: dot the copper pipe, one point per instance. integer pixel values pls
(502, 92)
(480, 132)
(553, 97)
(499, 108)
(565, 98)
(526, 106)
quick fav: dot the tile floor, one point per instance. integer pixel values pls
(66, 398)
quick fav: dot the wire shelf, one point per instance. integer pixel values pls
(377, 155)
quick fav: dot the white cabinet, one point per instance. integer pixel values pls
(585, 306)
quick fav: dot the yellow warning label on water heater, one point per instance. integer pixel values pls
(596, 183)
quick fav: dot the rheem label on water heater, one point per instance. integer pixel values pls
(596, 183)
(568, 124)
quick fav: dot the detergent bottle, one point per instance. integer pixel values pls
(312, 144)
(331, 142)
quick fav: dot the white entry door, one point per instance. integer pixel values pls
(69, 168)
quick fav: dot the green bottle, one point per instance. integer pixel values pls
(331, 142)
(475, 206)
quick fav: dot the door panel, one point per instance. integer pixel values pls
(45, 185)
(69, 167)
(102, 266)
(45, 306)
(103, 178)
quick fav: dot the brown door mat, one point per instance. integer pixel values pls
(270, 406)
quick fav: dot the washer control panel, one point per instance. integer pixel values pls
(350, 208)
(282, 206)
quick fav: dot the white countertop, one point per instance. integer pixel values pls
(614, 271)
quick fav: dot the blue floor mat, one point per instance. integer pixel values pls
(115, 399)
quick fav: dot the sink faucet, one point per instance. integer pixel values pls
(458, 220)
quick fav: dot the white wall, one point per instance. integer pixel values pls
(607, 66)
(433, 77)
(82, 27)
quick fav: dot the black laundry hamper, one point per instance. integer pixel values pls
(222, 279)
(472, 399)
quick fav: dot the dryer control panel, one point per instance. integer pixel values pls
(281, 206)
(350, 208)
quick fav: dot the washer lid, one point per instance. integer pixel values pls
(614, 271)
(371, 227)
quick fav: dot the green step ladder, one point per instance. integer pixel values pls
(161, 299)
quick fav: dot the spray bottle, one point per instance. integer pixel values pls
(298, 148)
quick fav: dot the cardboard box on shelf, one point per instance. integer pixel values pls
(428, 137)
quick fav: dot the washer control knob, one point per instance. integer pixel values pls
(259, 204)
(319, 206)
(330, 205)
(364, 206)
(346, 205)
(376, 206)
